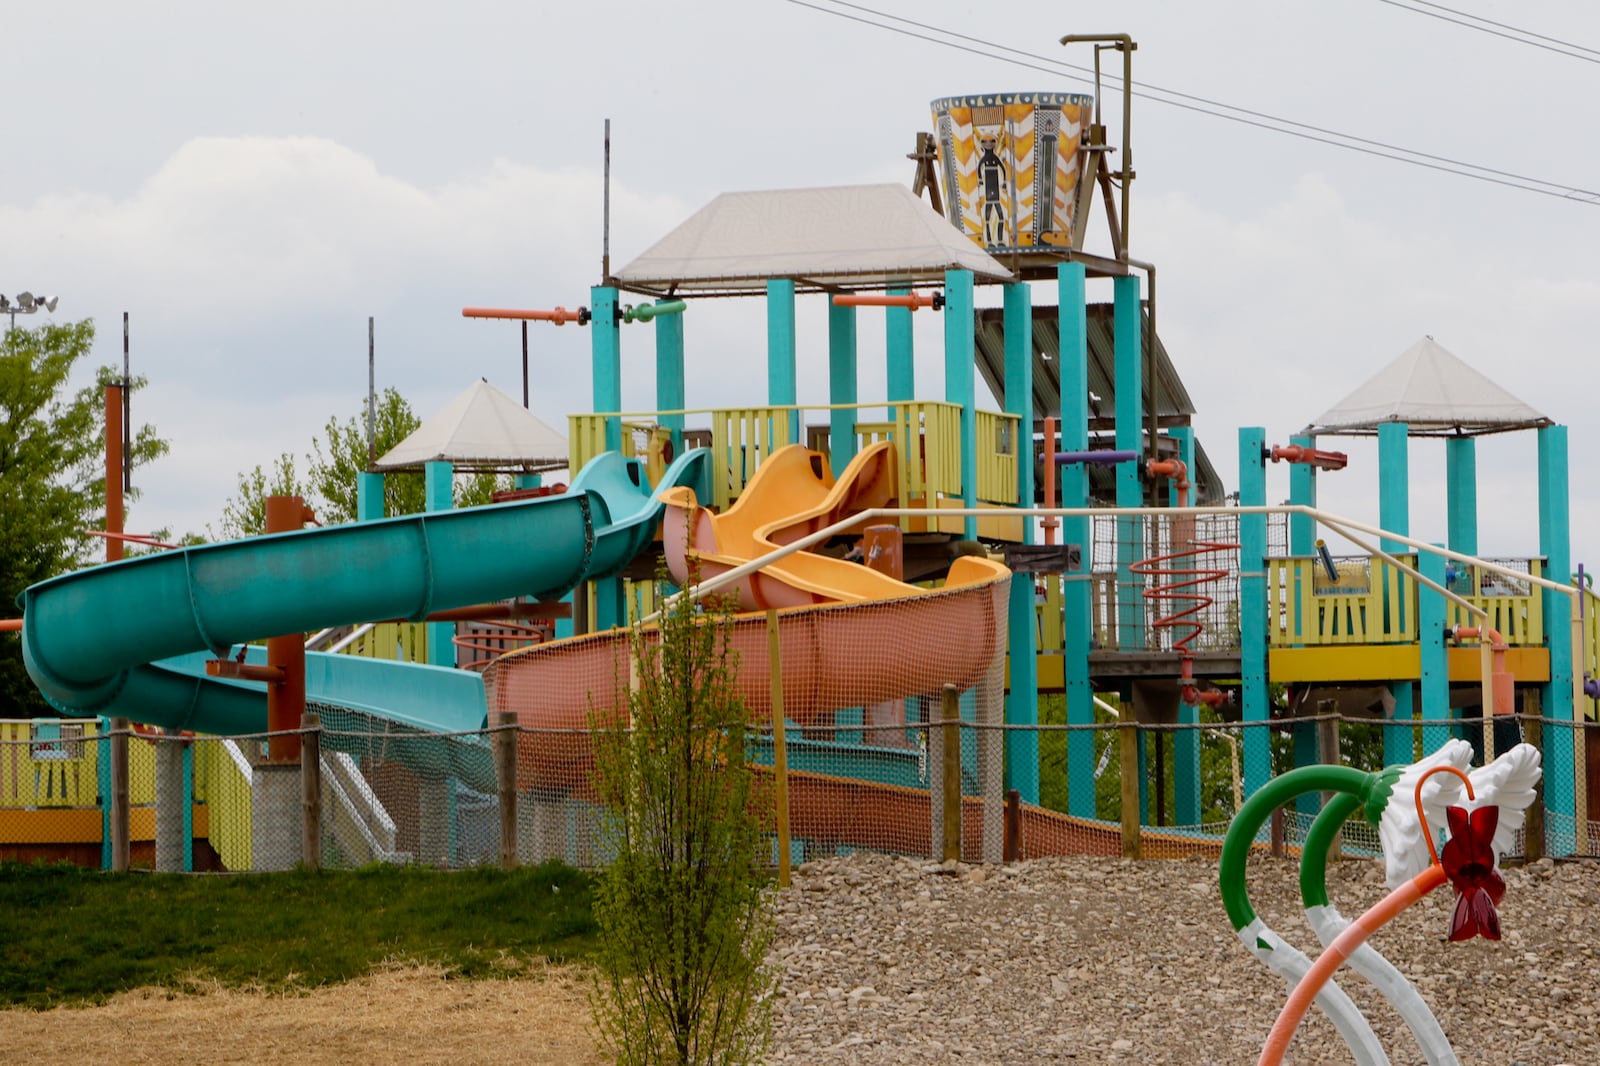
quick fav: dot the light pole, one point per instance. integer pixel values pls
(26, 303)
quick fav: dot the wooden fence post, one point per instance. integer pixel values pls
(780, 748)
(505, 777)
(311, 791)
(1533, 823)
(1328, 752)
(119, 795)
(1128, 744)
(950, 727)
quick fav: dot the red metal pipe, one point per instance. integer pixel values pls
(1299, 453)
(559, 315)
(913, 300)
(1503, 684)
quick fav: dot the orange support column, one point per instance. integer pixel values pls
(286, 699)
(113, 472)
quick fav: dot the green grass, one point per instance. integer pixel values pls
(74, 936)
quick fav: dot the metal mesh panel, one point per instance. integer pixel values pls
(1156, 578)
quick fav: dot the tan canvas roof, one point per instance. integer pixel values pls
(481, 429)
(847, 236)
(1434, 393)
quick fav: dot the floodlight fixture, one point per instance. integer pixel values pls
(26, 303)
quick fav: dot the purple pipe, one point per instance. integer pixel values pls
(1105, 458)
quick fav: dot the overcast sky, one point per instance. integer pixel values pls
(252, 182)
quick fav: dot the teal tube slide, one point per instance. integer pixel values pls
(130, 638)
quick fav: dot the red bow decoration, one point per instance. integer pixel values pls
(1468, 861)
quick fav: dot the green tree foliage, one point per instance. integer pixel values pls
(336, 459)
(52, 476)
(683, 930)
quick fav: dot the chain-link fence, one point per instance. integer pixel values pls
(878, 778)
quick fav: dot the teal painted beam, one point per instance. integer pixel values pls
(438, 490)
(960, 380)
(782, 387)
(1183, 437)
(1077, 622)
(1461, 503)
(1435, 682)
(1555, 544)
(1400, 739)
(901, 350)
(369, 497)
(1302, 493)
(527, 481)
(605, 347)
(1127, 320)
(1256, 755)
(669, 376)
(1185, 742)
(188, 808)
(1022, 701)
(1394, 482)
(1146, 780)
(842, 385)
(1307, 752)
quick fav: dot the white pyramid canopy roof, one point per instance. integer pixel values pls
(846, 236)
(481, 429)
(1434, 393)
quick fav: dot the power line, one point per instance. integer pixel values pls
(1521, 36)
(1201, 105)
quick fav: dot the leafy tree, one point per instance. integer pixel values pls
(336, 459)
(52, 475)
(683, 930)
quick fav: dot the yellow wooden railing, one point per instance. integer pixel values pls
(1591, 641)
(1515, 608)
(401, 641)
(1371, 602)
(222, 779)
(49, 763)
(926, 436)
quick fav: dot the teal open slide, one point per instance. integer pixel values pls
(131, 638)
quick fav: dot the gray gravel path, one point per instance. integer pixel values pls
(1086, 960)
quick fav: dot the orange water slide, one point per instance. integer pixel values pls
(791, 496)
(848, 636)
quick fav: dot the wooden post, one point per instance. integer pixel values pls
(119, 795)
(950, 730)
(1533, 822)
(1128, 742)
(780, 751)
(1328, 752)
(311, 791)
(505, 779)
(1013, 837)
(1277, 833)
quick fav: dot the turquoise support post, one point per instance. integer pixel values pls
(1461, 502)
(1022, 700)
(1145, 778)
(1075, 588)
(605, 346)
(1394, 515)
(669, 375)
(1555, 545)
(1257, 707)
(1185, 742)
(102, 780)
(527, 481)
(369, 497)
(1302, 493)
(438, 489)
(781, 382)
(1183, 437)
(1307, 752)
(900, 350)
(841, 385)
(1128, 319)
(960, 382)
(1435, 664)
(188, 808)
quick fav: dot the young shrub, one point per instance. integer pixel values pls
(682, 927)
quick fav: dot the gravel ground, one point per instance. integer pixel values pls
(892, 960)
